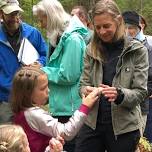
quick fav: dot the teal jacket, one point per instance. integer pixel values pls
(64, 69)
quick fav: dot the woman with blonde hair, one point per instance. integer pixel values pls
(120, 67)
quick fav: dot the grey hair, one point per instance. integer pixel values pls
(57, 18)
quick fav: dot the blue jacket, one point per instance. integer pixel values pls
(64, 69)
(8, 59)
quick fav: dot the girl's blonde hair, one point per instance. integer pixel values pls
(57, 18)
(110, 7)
(11, 138)
(23, 85)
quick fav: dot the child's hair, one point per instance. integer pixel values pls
(11, 138)
(23, 85)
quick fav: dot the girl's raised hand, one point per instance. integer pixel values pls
(56, 144)
(92, 97)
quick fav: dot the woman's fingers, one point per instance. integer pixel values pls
(110, 93)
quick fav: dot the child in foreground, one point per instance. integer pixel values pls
(29, 93)
(14, 139)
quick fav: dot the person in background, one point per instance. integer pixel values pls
(134, 30)
(65, 58)
(14, 139)
(120, 67)
(133, 27)
(144, 25)
(148, 128)
(12, 31)
(30, 92)
(82, 14)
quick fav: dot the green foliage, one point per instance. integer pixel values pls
(141, 6)
(27, 15)
(147, 13)
(68, 4)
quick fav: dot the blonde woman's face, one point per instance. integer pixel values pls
(105, 27)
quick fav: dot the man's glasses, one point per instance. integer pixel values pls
(13, 14)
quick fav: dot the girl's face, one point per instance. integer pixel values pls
(105, 26)
(40, 92)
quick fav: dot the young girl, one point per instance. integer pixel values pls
(14, 139)
(29, 92)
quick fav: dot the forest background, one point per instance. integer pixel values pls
(143, 7)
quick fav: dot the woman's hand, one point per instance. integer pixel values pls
(109, 92)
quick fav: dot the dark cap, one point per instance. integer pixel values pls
(131, 17)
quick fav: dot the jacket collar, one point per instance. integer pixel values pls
(75, 25)
(129, 45)
(24, 28)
